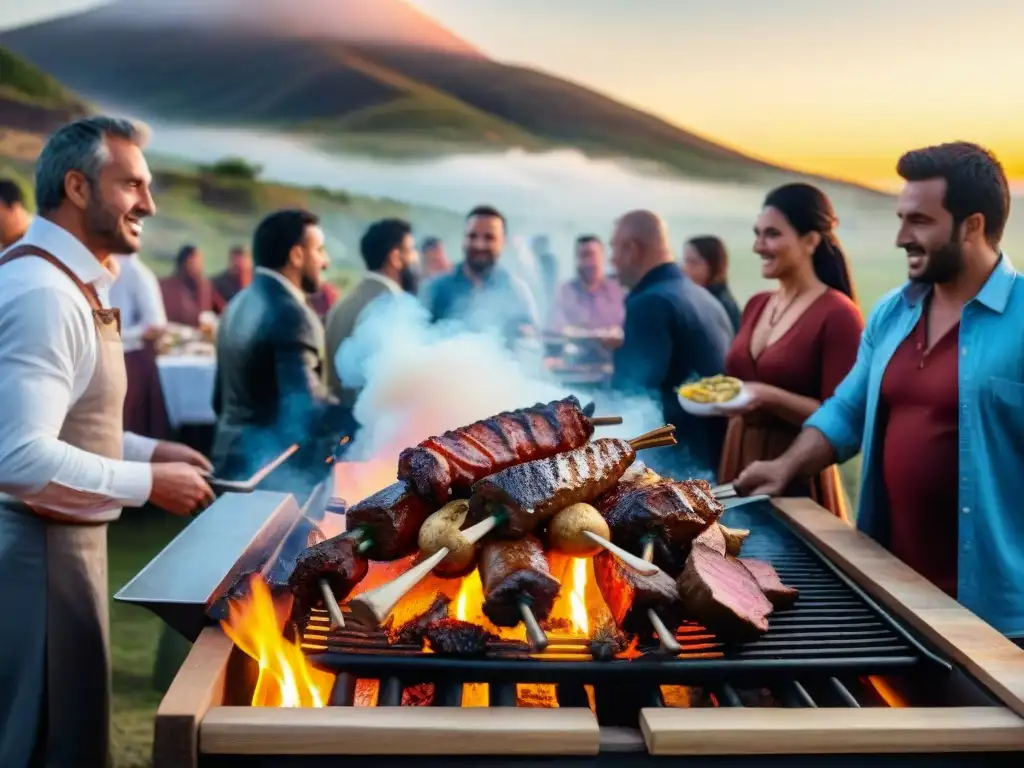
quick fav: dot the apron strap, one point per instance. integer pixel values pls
(106, 316)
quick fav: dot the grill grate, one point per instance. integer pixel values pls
(834, 627)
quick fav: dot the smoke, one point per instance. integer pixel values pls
(420, 379)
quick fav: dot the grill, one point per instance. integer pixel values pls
(833, 628)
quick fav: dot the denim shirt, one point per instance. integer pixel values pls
(991, 436)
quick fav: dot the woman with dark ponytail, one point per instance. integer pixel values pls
(795, 344)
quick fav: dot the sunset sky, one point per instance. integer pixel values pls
(840, 87)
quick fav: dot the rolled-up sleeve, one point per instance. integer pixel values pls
(841, 418)
(44, 337)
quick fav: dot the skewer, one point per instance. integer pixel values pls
(605, 421)
(332, 604)
(371, 608)
(665, 636)
(645, 567)
(538, 639)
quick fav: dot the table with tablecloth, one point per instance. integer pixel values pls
(187, 384)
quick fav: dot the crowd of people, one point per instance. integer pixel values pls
(930, 390)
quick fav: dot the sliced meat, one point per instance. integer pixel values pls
(391, 520)
(723, 596)
(414, 630)
(713, 538)
(526, 495)
(768, 580)
(629, 594)
(513, 572)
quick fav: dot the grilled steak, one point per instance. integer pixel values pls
(629, 594)
(723, 596)
(513, 572)
(713, 538)
(528, 494)
(391, 520)
(335, 560)
(451, 463)
(669, 513)
(768, 580)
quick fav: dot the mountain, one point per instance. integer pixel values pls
(32, 103)
(372, 71)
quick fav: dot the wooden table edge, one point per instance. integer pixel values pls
(996, 662)
(739, 731)
(412, 731)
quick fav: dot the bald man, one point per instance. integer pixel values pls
(675, 331)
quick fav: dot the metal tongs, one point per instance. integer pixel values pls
(220, 486)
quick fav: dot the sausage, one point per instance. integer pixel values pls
(528, 494)
(449, 464)
(336, 560)
(629, 594)
(513, 572)
(391, 520)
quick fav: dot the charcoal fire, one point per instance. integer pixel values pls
(414, 630)
(452, 637)
(607, 642)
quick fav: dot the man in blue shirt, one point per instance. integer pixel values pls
(674, 331)
(480, 293)
(964, 303)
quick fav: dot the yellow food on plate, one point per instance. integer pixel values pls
(713, 389)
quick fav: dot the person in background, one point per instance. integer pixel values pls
(66, 465)
(14, 217)
(435, 265)
(796, 343)
(591, 300)
(269, 391)
(479, 292)
(935, 401)
(674, 331)
(236, 276)
(392, 269)
(322, 301)
(136, 295)
(706, 262)
(188, 293)
(547, 269)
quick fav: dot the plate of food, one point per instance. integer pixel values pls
(713, 396)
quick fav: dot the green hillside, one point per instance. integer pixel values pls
(22, 81)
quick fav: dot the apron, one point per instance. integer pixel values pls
(54, 640)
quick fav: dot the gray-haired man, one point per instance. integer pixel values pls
(66, 467)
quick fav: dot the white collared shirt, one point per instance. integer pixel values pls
(136, 292)
(391, 285)
(48, 352)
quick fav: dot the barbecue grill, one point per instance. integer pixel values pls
(871, 663)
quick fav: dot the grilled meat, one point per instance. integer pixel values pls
(391, 520)
(629, 594)
(413, 631)
(335, 560)
(768, 580)
(451, 637)
(723, 596)
(451, 463)
(713, 537)
(669, 513)
(527, 495)
(513, 572)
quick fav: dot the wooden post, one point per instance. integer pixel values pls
(198, 686)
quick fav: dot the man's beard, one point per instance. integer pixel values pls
(587, 276)
(105, 227)
(481, 267)
(944, 264)
(310, 284)
(409, 279)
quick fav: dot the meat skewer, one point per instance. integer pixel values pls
(452, 462)
(630, 595)
(372, 607)
(526, 495)
(387, 523)
(518, 586)
(335, 562)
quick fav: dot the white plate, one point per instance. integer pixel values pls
(714, 409)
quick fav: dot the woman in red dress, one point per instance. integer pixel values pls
(795, 344)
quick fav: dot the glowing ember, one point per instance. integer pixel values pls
(888, 694)
(285, 679)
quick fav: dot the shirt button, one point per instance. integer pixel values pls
(963, 350)
(966, 510)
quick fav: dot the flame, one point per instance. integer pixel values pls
(888, 694)
(285, 678)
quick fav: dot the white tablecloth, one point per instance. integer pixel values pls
(187, 384)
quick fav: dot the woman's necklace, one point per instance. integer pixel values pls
(773, 318)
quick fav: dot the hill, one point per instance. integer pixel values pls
(31, 101)
(380, 77)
